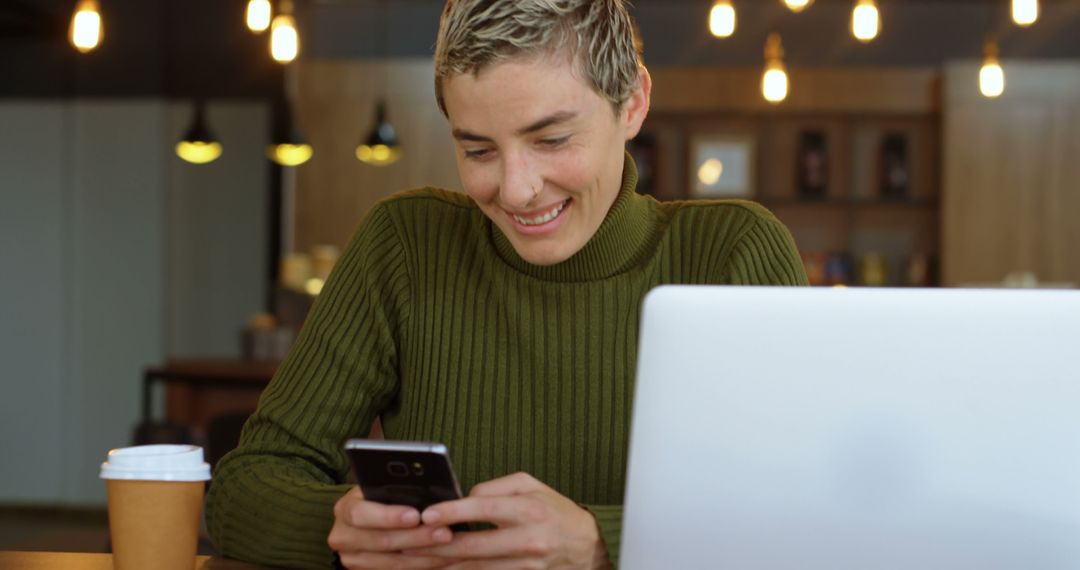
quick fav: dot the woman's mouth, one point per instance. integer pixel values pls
(544, 217)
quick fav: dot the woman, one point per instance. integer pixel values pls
(502, 323)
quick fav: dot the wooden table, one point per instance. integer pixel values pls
(87, 561)
(200, 389)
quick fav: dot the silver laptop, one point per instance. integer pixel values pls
(809, 428)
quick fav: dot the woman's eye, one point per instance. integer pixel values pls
(476, 153)
(553, 143)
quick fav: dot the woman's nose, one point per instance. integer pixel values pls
(520, 184)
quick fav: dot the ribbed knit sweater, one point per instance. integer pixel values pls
(433, 322)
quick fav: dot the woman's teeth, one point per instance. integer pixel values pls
(543, 219)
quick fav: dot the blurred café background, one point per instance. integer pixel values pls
(175, 184)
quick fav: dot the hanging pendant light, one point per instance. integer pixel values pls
(381, 147)
(86, 29)
(774, 82)
(991, 76)
(284, 38)
(1025, 12)
(199, 145)
(722, 19)
(865, 20)
(258, 15)
(293, 151)
(798, 5)
(288, 147)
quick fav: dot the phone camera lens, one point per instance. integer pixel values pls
(397, 469)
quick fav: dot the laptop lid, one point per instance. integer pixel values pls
(810, 428)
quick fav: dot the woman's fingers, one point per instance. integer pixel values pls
(515, 542)
(516, 484)
(498, 564)
(349, 539)
(498, 510)
(375, 560)
(351, 509)
(365, 526)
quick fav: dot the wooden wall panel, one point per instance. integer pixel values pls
(1012, 175)
(335, 107)
(815, 90)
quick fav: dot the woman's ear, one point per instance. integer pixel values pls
(636, 108)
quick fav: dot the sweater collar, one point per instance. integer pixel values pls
(623, 239)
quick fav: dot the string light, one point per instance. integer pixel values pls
(991, 76)
(86, 29)
(798, 5)
(1025, 12)
(865, 20)
(86, 32)
(774, 82)
(258, 15)
(722, 19)
(284, 39)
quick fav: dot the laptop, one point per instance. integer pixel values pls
(813, 428)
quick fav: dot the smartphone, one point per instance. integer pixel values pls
(417, 474)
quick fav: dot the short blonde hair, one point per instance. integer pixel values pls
(599, 35)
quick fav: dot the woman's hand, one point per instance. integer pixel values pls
(537, 528)
(372, 535)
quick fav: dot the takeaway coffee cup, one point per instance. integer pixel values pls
(155, 502)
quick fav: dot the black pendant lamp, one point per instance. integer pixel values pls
(381, 147)
(199, 145)
(288, 147)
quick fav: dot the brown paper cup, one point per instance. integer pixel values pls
(154, 524)
(155, 504)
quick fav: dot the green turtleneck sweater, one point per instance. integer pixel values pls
(433, 322)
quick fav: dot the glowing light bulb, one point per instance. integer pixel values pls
(991, 80)
(199, 145)
(710, 172)
(798, 5)
(258, 15)
(314, 286)
(865, 20)
(1025, 12)
(284, 39)
(722, 19)
(774, 82)
(198, 152)
(378, 155)
(991, 76)
(774, 85)
(86, 29)
(287, 154)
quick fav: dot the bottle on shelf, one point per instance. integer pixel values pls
(813, 165)
(895, 173)
(838, 269)
(873, 270)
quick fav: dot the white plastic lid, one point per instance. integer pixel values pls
(156, 463)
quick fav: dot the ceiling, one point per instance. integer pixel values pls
(201, 48)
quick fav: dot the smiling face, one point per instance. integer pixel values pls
(540, 151)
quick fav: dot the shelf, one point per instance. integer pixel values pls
(914, 204)
(852, 218)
